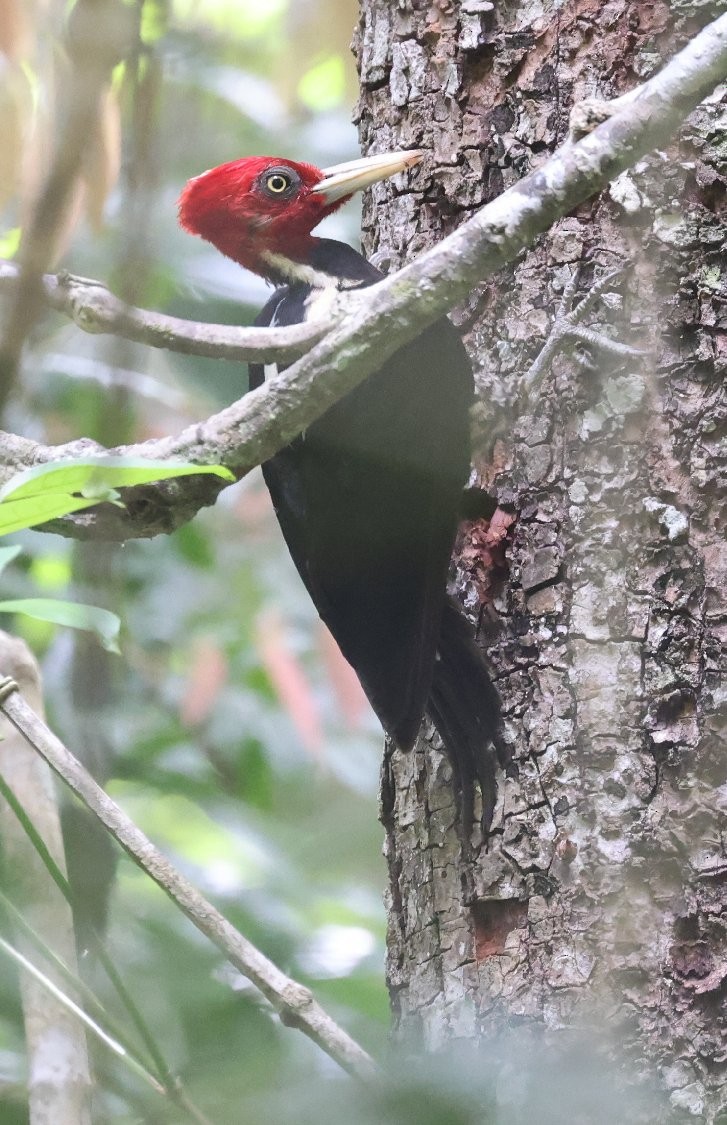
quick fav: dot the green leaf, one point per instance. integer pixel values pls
(90, 475)
(7, 554)
(15, 515)
(50, 491)
(102, 622)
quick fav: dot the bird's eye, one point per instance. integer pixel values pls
(277, 183)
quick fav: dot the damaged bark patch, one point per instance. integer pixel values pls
(493, 919)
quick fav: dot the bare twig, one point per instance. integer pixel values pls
(293, 1001)
(567, 326)
(95, 309)
(598, 342)
(397, 309)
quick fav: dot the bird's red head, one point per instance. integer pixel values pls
(260, 210)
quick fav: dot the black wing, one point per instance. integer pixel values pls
(367, 500)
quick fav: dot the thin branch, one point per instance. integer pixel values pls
(67, 1002)
(567, 326)
(397, 309)
(293, 1001)
(95, 309)
(59, 1080)
(598, 342)
(169, 1083)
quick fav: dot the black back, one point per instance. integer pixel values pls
(368, 497)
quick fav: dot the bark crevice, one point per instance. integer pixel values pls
(600, 899)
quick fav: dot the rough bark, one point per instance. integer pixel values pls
(599, 905)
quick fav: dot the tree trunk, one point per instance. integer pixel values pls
(600, 901)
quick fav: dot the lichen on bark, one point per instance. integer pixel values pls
(601, 897)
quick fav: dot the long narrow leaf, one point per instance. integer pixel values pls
(16, 515)
(91, 618)
(73, 980)
(96, 475)
(47, 492)
(164, 1073)
(69, 1003)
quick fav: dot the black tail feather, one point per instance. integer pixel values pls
(465, 708)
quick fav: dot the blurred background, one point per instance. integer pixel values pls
(229, 728)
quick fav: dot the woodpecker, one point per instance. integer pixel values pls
(368, 497)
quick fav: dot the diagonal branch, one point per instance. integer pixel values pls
(397, 309)
(55, 1041)
(96, 310)
(294, 1002)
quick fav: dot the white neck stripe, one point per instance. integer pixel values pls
(299, 271)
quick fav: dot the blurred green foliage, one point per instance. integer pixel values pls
(226, 727)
